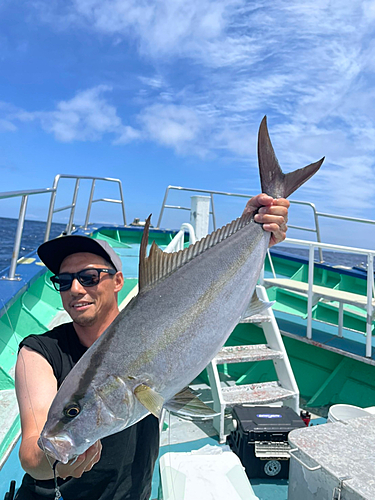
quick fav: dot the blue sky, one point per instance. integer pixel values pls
(172, 92)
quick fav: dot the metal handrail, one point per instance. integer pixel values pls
(24, 195)
(370, 282)
(52, 210)
(316, 214)
(193, 190)
(21, 221)
(312, 245)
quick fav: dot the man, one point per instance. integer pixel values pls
(88, 276)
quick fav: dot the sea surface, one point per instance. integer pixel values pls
(329, 257)
(33, 236)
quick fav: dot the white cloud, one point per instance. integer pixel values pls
(155, 82)
(127, 134)
(171, 125)
(162, 27)
(85, 117)
(10, 115)
(7, 126)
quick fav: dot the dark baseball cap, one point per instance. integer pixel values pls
(53, 252)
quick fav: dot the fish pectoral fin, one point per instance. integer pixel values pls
(150, 399)
(256, 307)
(187, 405)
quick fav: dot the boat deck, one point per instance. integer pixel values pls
(180, 435)
(184, 436)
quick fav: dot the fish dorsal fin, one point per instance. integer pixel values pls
(158, 265)
(150, 399)
(143, 268)
(187, 405)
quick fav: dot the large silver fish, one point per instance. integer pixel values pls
(187, 306)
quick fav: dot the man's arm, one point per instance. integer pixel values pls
(36, 386)
(272, 213)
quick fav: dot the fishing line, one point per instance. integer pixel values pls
(169, 451)
(53, 466)
(57, 489)
(168, 445)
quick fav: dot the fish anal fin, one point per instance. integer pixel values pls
(150, 399)
(187, 405)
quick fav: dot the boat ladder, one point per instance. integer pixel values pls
(284, 389)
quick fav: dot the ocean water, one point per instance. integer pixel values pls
(329, 257)
(33, 236)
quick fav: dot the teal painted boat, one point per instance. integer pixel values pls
(323, 311)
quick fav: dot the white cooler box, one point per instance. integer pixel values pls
(333, 461)
(203, 476)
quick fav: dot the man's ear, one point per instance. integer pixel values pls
(118, 281)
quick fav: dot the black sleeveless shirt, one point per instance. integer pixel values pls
(124, 471)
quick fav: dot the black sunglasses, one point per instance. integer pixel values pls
(87, 277)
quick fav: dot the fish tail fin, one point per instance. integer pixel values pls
(273, 181)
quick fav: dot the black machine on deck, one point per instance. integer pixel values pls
(260, 439)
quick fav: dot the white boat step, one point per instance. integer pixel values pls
(256, 318)
(246, 353)
(263, 393)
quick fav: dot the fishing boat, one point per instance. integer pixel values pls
(314, 349)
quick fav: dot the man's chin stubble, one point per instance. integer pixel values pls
(84, 321)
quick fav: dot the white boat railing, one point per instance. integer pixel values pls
(24, 196)
(178, 241)
(52, 210)
(316, 214)
(343, 297)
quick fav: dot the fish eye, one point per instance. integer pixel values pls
(71, 410)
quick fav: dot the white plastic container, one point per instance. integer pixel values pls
(343, 413)
(194, 476)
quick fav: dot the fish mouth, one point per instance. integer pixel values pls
(59, 447)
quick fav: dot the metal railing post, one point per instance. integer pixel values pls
(122, 203)
(17, 240)
(317, 230)
(310, 292)
(51, 208)
(90, 203)
(162, 206)
(369, 308)
(73, 207)
(213, 212)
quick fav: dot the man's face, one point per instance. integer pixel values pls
(90, 305)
